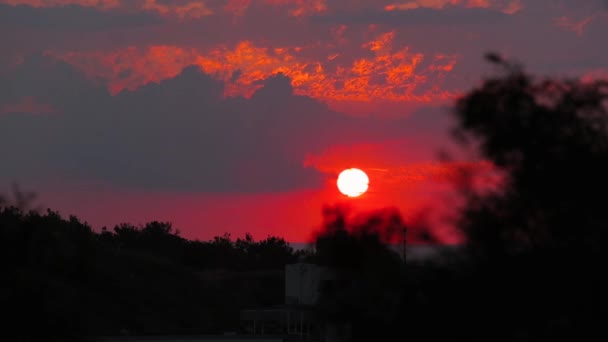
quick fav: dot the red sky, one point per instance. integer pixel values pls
(238, 115)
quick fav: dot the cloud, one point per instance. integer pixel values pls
(105, 4)
(179, 9)
(179, 134)
(569, 25)
(412, 57)
(450, 15)
(175, 135)
(509, 6)
(299, 8)
(578, 26)
(383, 72)
(184, 9)
(70, 17)
(27, 105)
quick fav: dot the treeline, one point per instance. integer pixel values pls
(221, 252)
(62, 279)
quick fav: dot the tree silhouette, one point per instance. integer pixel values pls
(550, 137)
(23, 200)
(537, 242)
(70, 282)
(366, 292)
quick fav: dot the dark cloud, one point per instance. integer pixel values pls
(448, 16)
(49, 81)
(177, 135)
(71, 17)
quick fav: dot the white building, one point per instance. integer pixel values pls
(303, 282)
(296, 318)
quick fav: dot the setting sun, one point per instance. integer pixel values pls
(353, 182)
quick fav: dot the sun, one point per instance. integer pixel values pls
(353, 182)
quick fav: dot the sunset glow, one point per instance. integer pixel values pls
(197, 107)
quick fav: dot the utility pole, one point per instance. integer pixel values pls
(403, 242)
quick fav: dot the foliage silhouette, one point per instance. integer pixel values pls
(551, 139)
(23, 200)
(63, 281)
(535, 246)
(364, 295)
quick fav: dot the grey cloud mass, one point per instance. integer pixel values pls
(177, 135)
(450, 15)
(71, 17)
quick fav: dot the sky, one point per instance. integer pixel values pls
(237, 115)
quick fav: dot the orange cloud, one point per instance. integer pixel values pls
(131, 68)
(296, 8)
(398, 72)
(299, 8)
(511, 7)
(192, 9)
(237, 7)
(385, 73)
(478, 4)
(410, 5)
(338, 33)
